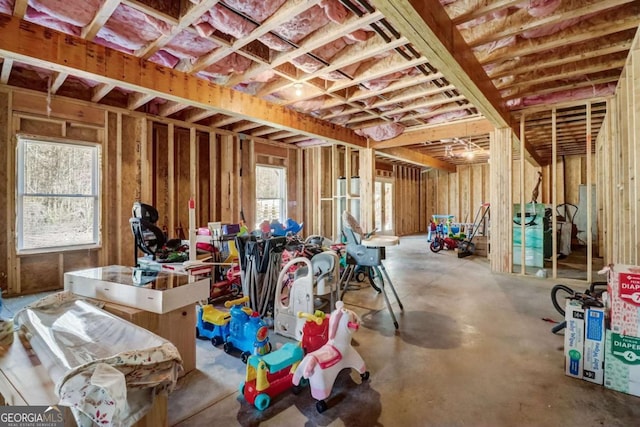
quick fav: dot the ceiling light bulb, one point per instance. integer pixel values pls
(298, 87)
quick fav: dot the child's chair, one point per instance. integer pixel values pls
(367, 250)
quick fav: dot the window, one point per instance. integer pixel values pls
(271, 190)
(58, 197)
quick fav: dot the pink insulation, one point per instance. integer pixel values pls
(164, 58)
(186, 45)
(384, 81)
(569, 95)
(381, 132)
(334, 10)
(233, 63)
(224, 20)
(132, 29)
(445, 117)
(6, 6)
(540, 8)
(72, 12)
(309, 65)
(258, 10)
(309, 105)
(106, 43)
(296, 29)
(45, 20)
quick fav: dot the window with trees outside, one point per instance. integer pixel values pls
(271, 190)
(58, 197)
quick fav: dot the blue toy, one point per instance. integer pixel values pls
(248, 333)
(212, 324)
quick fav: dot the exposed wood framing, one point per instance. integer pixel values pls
(61, 52)
(457, 129)
(501, 202)
(441, 41)
(416, 158)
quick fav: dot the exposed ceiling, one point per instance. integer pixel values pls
(423, 80)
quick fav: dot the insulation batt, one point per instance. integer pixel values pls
(6, 6)
(187, 45)
(226, 21)
(381, 132)
(444, 117)
(233, 63)
(132, 29)
(75, 13)
(164, 58)
(309, 105)
(45, 20)
(296, 29)
(258, 10)
(570, 95)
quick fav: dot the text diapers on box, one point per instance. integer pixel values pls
(624, 291)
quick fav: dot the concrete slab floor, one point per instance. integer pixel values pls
(472, 350)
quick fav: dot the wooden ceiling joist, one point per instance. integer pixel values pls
(102, 16)
(453, 130)
(20, 8)
(5, 71)
(438, 39)
(595, 27)
(33, 44)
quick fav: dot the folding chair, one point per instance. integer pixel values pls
(367, 251)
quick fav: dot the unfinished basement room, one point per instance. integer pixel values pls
(320, 213)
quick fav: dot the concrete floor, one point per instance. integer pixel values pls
(472, 350)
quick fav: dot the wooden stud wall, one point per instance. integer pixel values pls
(161, 162)
(7, 249)
(618, 144)
(472, 184)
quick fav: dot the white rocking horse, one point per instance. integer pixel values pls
(322, 366)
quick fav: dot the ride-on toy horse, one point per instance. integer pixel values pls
(322, 366)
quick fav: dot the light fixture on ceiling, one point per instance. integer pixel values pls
(298, 88)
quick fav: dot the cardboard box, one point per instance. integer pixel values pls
(622, 363)
(594, 340)
(574, 339)
(624, 291)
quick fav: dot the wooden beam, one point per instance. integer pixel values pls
(34, 44)
(409, 156)
(7, 64)
(102, 16)
(478, 126)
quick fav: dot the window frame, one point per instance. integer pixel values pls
(22, 140)
(283, 192)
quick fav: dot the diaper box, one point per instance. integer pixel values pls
(624, 291)
(622, 363)
(574, 339)
(594, 341)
